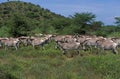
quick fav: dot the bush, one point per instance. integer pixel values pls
(114, 34)
(4, 31)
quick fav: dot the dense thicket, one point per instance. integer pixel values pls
(20, 18)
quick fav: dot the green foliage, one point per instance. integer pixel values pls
(61, 24)
(105, 31)
(105, 65)
(82, 22)
(82, 19)
(114, 34)
(19, 26)
(26, 19)
(4, 31)
(51, 64)
(20, 18)
(96, 25)
(117, 21)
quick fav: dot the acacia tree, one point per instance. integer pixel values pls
(96, 25)
(82, 21)
(83, 18)
(117, 21)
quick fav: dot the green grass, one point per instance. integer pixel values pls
(29, 63)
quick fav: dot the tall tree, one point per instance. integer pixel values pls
(82, 21)
(96, 25)
(117, 21)
(83, 18)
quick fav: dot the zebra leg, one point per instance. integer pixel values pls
(78, 51)
(56, 46)
(115, 51)
(6, 47)
(63, 51)
(83, 47)
(16, 47)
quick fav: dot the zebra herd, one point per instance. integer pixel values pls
(63, 42)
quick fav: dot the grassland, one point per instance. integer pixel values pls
(29, 63)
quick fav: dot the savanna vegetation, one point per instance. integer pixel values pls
(22, 19)
(31, 19)
(50, 63)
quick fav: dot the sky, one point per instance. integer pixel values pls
(105, 10)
